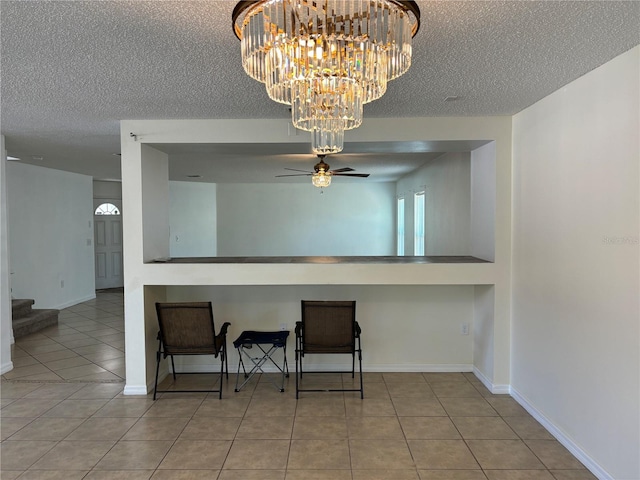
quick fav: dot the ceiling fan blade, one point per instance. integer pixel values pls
(340, 170)
(296, 175)
(362, 175)
(296, 170)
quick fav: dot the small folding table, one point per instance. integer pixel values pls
(267, 343)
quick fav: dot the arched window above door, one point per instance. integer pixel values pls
(107, 209)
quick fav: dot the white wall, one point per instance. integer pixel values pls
(447, 185)
(483, 201)
(575, 328)
(155, 204)
(107, 190)
(404, 328)
(483, 332)
(51, 235)
(6, 329)
(192, 219)
(296, 219)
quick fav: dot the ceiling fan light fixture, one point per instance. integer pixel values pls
(326, 58)
(322, 173)
(321, 179)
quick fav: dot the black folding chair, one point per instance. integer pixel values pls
(328, 327)
(187, 329)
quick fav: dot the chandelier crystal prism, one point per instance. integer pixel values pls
(326, 58)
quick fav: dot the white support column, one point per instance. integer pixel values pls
(503, 233)
(145, 214)
(6, 329)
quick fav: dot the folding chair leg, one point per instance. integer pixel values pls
(240, 362)
(155, 385)
(297, 374)
(173, 368)
(286, 365)
(301, 365)
(353, 364)
(226, 360)
(361, 383)
(221, 373)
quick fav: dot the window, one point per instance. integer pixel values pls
(107, 209)
(400, 228)
(418, 224)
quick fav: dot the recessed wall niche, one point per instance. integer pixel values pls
(231, 204)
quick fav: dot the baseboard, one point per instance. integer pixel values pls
(203, 368)
(6, 367)
(71, 303)
(334, 367)
(403, 367)
(562, 437)
(496, 389)
(136, 389)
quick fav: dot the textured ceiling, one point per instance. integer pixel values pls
(72, 69)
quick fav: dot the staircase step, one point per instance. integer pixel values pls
(34, 322)
(21, 307)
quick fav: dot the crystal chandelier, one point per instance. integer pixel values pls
(326, 58)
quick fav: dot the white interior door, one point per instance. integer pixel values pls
(107, 222)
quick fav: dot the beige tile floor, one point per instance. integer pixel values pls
(428, 426)
(87, 345)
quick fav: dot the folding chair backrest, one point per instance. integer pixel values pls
(328, 326)
(187, 328)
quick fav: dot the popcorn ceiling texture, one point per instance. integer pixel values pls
(72, 69)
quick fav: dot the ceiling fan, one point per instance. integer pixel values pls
(321, 176)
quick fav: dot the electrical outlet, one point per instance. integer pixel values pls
(284, 327)
(464, 329)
